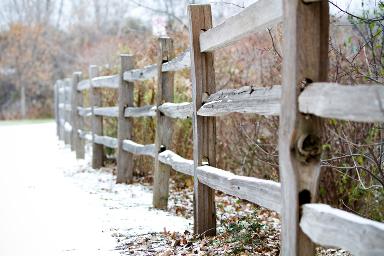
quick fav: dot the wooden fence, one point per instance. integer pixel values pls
(301, 102)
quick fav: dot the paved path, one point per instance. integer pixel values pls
(51, 204)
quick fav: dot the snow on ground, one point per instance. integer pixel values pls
(51, 204)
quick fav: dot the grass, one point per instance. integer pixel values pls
(25, 121)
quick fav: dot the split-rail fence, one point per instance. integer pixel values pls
(304, 98)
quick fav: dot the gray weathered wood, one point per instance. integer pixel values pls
(265, 193)
(247, 99)
(84, 85)
(333, 100)
(145, 73)
(180, 62)
(106, 81)
(164, 127)
(204, 128)
(305, 59)
(106, 141)
(256, 17)
(125, 126)
(85, 135)
(148, 110)
(332, 227)
(106, 111)
(97, 121)
(56, 108)
(139, 149)
(177, 110)
(67, 111)
(67, 127)
(84, 112)
(77, 120)
(177, 162)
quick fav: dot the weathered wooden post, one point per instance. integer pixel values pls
(61, 110)
(204, 128)
(305, 60)
(67, 136)
(164, 125)
(56, 107)
(125, 129)
(77, 120)
(97, 121)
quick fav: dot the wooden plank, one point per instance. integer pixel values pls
(180, 62)
(256, 17)
(332, 227)
(265, 193)
(164, 126)
(139, 149)
(67, 113)
(106, 111)
(247, 99)
(84, 112)
(84, 85)
(141, 74)
(148, 110)
(333, 100)
(177, 110)
(106, 141)
(85, 135)
(106, 81)
(125, 125)
(97, 121)
(177, 162)
(305, 59)
(78, 122)
(56, 106)
(204, 128)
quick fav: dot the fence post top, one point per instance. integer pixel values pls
(126, 55)
(77, 73)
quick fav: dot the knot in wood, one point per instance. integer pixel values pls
(308, 147)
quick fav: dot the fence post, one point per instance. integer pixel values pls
(125, 127)
(164, 127)
(305, 60)
(97, 121)
(77, 120)
(56, 107)
(204, 128)
(67, 137)
(61, 109)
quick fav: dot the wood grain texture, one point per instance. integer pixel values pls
(106, 141)
(164, 125)
(144, 111)
(106, 82)
(180, 62)
(305, 51)
(141, 74)
(333, 100)
(78, 122)
(125, 125)
(177, 162)
(97, 121)
(265, 193)
(106, 111)
(139, 149)
(204, 128)
(332, 227)
(256, 17)
(177, 110)
(247, 99)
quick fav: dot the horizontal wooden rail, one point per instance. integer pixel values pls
(141, 74)
(148, 110)
(332, 227)
(139, 149)
(106, 81)
(256, 17)
(85, 135)
(247, 99)
(106, 111)
(177, 110)
(180, 62)
(83, 85)
(67, 127)
(106, 141)
(177, 162)
(360, 103)
(84, 111)
(265, 193)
